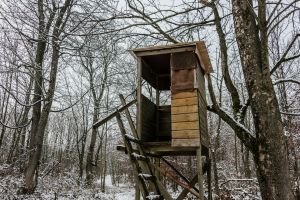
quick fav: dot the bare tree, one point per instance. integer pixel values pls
(40, 114)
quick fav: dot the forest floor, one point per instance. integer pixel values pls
(61, 187)
(65, 187)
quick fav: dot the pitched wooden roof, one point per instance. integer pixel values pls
(198, 47)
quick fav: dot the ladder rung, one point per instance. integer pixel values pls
(147, 177)
(136, 156)
(131, 138)
(154, 197)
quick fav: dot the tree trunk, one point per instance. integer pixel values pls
(30, 180)
(90, 153)
(40, 118)
(4, 107)
(215, 170)
(105, 162)
(270, 154)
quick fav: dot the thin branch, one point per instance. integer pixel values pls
(292, 114)
(286, 80)
(282, 59)
(16, 99)
(73, 104)
(224, 60)
(152, 23)
(15, 127)
(273, 11)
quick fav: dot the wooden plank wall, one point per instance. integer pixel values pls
(202, 106)
(148, 116)
(185, 119)
(189, 112)
(164, 123)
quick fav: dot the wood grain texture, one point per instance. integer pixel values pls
(184, 109)
(148, 120)
(185, 125)
(185, 134)
(182, 95)
(187, 117)
(186, 142)
(185, 101)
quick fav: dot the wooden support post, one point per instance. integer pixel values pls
(139, 98)
(139, 109)
(200, 175)
(137, 191)
(157, 96)
(208, 160)
(157, 164)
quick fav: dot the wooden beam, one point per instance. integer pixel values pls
(139, 98)
(185, 191)
(163, 51)
(128, 117)
(112, 115)
(179, 173)
(208, 160)
(157, 99)
(176, 180)
(200, 174)
(124, 150)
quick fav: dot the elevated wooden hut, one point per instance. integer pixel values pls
(178, 128)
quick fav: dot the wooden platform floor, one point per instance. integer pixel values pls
(165, 149)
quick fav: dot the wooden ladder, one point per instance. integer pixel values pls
(148, 183)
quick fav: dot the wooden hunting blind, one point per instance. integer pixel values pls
(178, 128)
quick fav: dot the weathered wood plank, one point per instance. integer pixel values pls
(203, 56)
(183, 60)
(185, 134)
(148, 122)
(200, 174)
(186, 117)
(185, 125)
(184, 109)
(148, 74)
(164, 51)
(182, 95)
(109, 117)
(186, 142)
(139, 98)
(185, 101)
(184, 192)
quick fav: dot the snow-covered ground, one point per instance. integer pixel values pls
(63, 188)
(66, 187)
